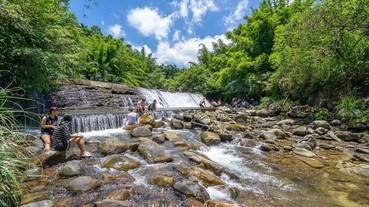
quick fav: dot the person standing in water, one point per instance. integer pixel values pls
(48, 124)
(202, 102)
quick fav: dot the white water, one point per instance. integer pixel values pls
(167, 99)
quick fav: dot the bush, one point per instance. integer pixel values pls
(322, 114)
(351, 109)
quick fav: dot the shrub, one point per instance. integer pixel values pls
(350, 109)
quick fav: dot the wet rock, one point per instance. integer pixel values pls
(226, 137)
(326, 146)
(176, 123)
(120, 162)
(82, 183)
(49, 158)
(197, 174)
(262, 113)
(213, 166)
(113, 146)
(212, 203)
(159, 138)
(202, 118)
(72, 168)
(358, 127)
(130, 127)
(286, 122)
(308, 142)
(299, 131)
(45, 203)
(312, 162)
(320, 123)
(159, 124)
(172, 136)
(33, 174)
(274, 109)
(349, 167)
(191, 189)
(210, 138)
(335, 122)
(303, 152)
(191, 202)
(32, 151)
(301, 112)
(331, 135)
(146, 119)
(268, 135)
(347, 136)
(113, 203)
(279, 133)
(161, 178)
(153, 152)
(287, 148)
(187, 125)
(238, 127)
(33, 197)
(121, 195)
(363, 151)
(182, 144)
(265, 147)
(235, 192)
(142, 131)
(321, 130)
(198, 145)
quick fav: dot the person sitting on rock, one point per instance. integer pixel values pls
(63, 140)
(141, 106)
(132, 117)
(202, 102)
(152, 106)
(216, 103)
(48, 124)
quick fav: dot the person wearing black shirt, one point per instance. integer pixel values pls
(48, 124)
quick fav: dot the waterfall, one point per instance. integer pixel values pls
(96, 122)
(167, 99)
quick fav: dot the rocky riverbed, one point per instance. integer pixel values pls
(225, 157)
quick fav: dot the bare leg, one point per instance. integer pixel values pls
(46, 139)
(80, 142)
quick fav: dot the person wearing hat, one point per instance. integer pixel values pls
(63, 140)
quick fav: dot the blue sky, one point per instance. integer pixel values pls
(169, 29)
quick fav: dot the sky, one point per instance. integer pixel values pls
(171, 30)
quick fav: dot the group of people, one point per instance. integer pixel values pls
(213, 103)
(132, 117)
(58, 133)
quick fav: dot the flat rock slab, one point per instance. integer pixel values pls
(153, 152)
(112, 203)
(303, 152)
(213, 166)
(83, 183)
(113, 146)
(312, 162)
(120, 162)
(45, 203)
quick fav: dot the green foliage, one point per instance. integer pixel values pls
(322, 114)
(351, 109)
(11, 166)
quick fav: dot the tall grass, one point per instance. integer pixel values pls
(11, 166)
(351, 109)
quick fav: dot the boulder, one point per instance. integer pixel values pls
(202, 118)
(172, 136)
(321, 130)
(82, 183)
(347, 136)
(120, 195)
(113, 203)
(71, 168)
(158, 138)
(286, 122)
(182, 144)
(187, 125)
(33, 197)
(210, 138)
(303, 152)
(207, 179)
(44, 203)
(363, 151)
(153, 152)
(212, 203)
(49, 158)
(301, 112)
(146, 119)
(320, 123)
(201, 159)
(308, 142)
(120, 162)
(274, 109)
(130, 127)
(226, 137)
(161, 178)
(191, 189)
(279, 133)
(335, 122)
(265, 147)
(262, 113)
(113, 146)
(142, 131)
(299, 131)
(268, 135)
(159, 124)
(176, 123)
(33, 174)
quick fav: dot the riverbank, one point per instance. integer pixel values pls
(226, 157)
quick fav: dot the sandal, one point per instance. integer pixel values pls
(86, 154)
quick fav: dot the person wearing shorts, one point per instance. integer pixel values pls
(63, 140)
(48, 124)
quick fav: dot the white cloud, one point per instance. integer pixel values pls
(116, 31)
(237, 14)
(184, 51)
(102, 22)
(176, 35)
(200, 7)
(149, 22)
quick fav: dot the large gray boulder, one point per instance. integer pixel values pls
(191, 189)
(71, 168)
(153, 152)
(142, 131)
(308, 142)
(320, 123)
(210, 138)
(49, 158)
(347, 136)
